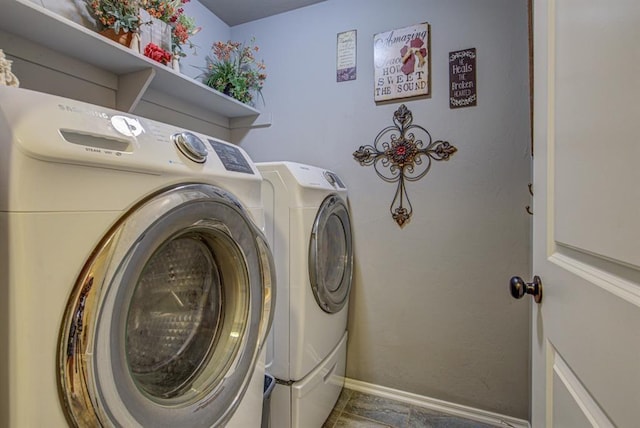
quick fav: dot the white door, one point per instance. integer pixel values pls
(586, 330)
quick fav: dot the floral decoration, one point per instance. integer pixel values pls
(233, 70)
(183, 28)
(163, 10)
(409, 54)
(7, 78)
(115, 14)
(172, 13)
(156, 53)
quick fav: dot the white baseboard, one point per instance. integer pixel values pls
(437, 405)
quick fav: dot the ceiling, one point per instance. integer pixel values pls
(234, 12)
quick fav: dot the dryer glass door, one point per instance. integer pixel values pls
(331, 255)
(168, 318)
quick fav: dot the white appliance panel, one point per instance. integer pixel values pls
(313, 398)
(307, 346)
(69, 172)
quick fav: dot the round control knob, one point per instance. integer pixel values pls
(191, 146)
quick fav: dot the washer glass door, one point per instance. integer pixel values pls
(331, 255)
(168, 318)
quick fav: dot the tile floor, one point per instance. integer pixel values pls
(357, 410)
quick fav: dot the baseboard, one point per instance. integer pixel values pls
(437, 405)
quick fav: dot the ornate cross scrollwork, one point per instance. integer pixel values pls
(403, 157)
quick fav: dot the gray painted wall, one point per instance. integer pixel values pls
(430, 310)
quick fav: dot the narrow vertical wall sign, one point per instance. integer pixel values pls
(346, 56)
(462, 78)
(401, 63)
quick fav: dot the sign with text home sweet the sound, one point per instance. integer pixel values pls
(401, 63)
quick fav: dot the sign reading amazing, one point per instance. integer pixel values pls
(401, 63)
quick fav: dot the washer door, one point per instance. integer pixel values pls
(331, 255)
(167, 320)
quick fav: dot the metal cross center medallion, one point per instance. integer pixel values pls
(398, 155)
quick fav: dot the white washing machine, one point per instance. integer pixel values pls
(135, 286)
(307, 223)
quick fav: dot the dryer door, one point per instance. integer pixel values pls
(331, 255)
(167, 319)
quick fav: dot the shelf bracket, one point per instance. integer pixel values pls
(131, 86)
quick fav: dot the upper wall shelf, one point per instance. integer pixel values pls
(135, 72)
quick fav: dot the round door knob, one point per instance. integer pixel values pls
(519, 288)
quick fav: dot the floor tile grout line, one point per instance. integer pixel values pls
(368, 419)
(335, 422)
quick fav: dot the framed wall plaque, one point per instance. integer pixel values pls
(402, 63)
(462, 78)
(346, 56)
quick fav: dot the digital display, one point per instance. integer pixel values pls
(231, 157)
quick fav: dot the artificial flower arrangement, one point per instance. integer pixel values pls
(124, 16)
(172, 13)
(118, 15)
(233, 70)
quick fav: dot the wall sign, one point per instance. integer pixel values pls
(401, 63)
(346, 56)
(462, 78)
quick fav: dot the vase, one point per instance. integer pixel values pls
(124, 38)
(135, 43)
(175, 64)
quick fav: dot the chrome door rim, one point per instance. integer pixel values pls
(96, 389)
(331, 296)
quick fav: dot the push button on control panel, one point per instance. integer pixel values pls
(333, 179)
(191, 146)
(330, 178)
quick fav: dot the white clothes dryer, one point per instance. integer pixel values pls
(135, 283)
(308, 225)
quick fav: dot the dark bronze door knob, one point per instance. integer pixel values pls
(519, 288)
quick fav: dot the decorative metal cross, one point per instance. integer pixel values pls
(401, 158)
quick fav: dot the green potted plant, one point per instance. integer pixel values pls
(233, 70)
(116, 19)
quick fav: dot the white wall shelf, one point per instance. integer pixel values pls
(136, 73)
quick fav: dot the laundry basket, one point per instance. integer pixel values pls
(269, 384)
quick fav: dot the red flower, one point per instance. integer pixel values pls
(180, 33)
(156, 53)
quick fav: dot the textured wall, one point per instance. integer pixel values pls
(430, 310)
